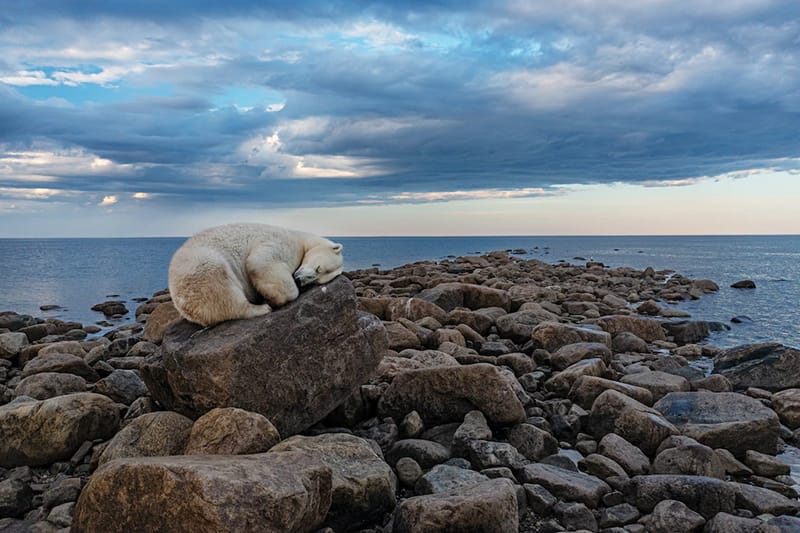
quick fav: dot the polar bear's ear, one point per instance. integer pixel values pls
(337, 248)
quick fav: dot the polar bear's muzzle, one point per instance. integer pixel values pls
(305, 277)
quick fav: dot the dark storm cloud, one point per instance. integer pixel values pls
(433, 96)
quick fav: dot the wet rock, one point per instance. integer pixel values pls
(642, 426)
(586, 389)
(122, 386)
(744, 284)
(294, 365)
(207, 493)
(443, 478)
(722, 420)
(111, 308)
(553, 335)
(783, 524)
(231, 431)
(154, 434)
(43, 432)
(447, 394)
(658, 383)
(363, 485)
(572, 353)
(49, 385)
(490, 507)
(670, 516)
(705, 495)
(769, 366)
(625, 454)
(565, 484)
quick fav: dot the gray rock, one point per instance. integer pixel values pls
(766, 465)
(489, 507)
(443, 478)
(575, 517)
(363, 485)
(62, 491)
(532, 442)
(488, 454)
(618, 515)
(447, 394)
(123, 386)
(155, 434)
(787, 404)
(294, 365)
(783, 524)
(671, 515)
(448, 296)
(207, 493)
(705, 495)
(11, 344)
(426, 453)
(601, 466)
(687, 331)
(539, 499)
(474, 427)
(49, 385)
(723, 420)
(408, 471)
(769, 366)
(61, 515)
(690, 459)
(761, 500)
(566, 485)
(43, 432)
(519, 326)
(728, 523)
(563, 381)
(586, 389)
(627, 342)
(231, 431)
(16, 498)
(158, 321)
(60, 362)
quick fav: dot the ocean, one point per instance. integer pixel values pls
(78, 273)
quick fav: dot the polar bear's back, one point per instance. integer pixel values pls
(236, 240)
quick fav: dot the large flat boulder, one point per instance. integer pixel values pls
(723, 420)
(294, 365)
(447, 394)
(270, 492)
(363, 485)
(448, 296)
(566, 484)
(769, 366)
(705, 495)
(488, 507)
(42, 432)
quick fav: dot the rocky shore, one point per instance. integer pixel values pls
(490, 394)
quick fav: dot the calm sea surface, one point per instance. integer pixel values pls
(78, 273)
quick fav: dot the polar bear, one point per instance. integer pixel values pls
(244, 270)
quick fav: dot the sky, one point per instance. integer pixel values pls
(434, 117)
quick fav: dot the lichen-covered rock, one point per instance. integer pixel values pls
(231, 431)
(489, 507)
(294, 365)
(41, 432)
(270, 492)
(447, 394)
(363, 485)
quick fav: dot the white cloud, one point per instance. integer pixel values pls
(24, 78)
(109, 200)
(142, 196)
(478, 194)
(44, 162)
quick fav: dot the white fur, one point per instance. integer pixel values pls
(244, 270)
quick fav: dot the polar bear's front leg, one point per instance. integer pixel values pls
(273, 280)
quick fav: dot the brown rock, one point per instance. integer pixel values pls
(613, 412)
(158, 321)
(269, 492)
(231, 431)
(553, 335)
(658, 383)
(572, 353)
(150, 435)
(646, 329)
(787, 404)
(586, 389)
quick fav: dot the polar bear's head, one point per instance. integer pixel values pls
(321, 264)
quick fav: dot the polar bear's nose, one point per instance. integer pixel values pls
(304, 278)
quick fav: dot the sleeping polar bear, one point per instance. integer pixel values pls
(243, 270)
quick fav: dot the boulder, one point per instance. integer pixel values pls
(519, 326)
(413, 309)
(705, 495)
(363, 485)
(269, 492)
(769, 366)
(231, 431)
(532, 442)
(787, 404)
(426, 453)
(60, 362)
(443, 478)
(448, 296)
(150, 435)
(49, 385)
(689, 459)
(400, 337)
(744, 284)
(565, 484)
(628, 456)
(642, 426)
(671, 515)
(447, 394)
(123, 386)
(474, 427)
(42, 432)
(489, 507)
(728, 523)
(687, 331)
(658, 383)
(766, 465)
(485, 454)
(647, 329)
(563, 381)
(553, 335)
(760, 500)
(572, 353)
(586, 389)
(294, 365)
(722, 420)
(158, 321)
(627, 342)
(11, 343)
